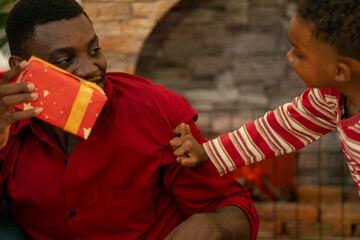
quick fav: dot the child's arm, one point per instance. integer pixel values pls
(287, 129)
(188, 152)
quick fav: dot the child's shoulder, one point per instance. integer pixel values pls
(325, 93)
(329, 98)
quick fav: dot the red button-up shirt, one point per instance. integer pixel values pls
(123, 182)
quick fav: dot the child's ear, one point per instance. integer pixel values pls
(343, 72)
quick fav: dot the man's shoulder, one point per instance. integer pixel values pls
(142, 90)
(131, 84)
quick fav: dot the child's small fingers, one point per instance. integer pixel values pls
(188, 143)
(183, 130)
(179, 152)
(186, 162)
(180, 128)
(188, 130)
(175, 143)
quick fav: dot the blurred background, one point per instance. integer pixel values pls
(228, 59)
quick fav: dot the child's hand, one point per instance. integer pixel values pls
(188, 152)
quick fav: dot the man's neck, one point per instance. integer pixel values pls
(67, 142)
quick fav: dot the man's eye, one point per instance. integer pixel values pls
(95, 51)
(63, 61)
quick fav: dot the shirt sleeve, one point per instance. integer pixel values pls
(5, 153)
(198, 189)
(287, 129)
(8, 156)
(201, 189)
(2, 152)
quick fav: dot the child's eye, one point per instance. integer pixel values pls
(295, 54)
(298, 56)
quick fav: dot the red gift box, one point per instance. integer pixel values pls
(69, 102)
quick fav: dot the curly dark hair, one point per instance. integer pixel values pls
(336, 22)
(26, 14)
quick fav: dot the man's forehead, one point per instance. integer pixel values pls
(64, 25)
(68, 36)
(74, 29)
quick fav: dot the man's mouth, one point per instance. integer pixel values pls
(98, 80)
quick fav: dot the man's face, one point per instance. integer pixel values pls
(312, 60)
(71, 45)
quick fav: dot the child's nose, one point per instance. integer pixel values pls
(290, 57)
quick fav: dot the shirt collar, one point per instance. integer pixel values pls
(108, 89)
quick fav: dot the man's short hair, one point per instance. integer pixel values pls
(336, 22)
(26, 14)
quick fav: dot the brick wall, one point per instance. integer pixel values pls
(123, 26)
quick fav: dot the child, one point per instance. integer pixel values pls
(325, 35)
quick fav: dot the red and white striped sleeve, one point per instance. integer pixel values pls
(284, 130)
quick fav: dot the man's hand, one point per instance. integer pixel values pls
(227, 222)
(188, 152)
(11, 94)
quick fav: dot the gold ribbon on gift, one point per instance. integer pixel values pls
(82, 99)
(78, 110)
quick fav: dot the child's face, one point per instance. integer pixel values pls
(312, 60)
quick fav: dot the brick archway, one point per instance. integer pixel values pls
(123, 27)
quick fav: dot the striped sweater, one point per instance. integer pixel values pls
(289, 128)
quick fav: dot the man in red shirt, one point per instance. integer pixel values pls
(123, 182)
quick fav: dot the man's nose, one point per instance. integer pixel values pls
(86, 68)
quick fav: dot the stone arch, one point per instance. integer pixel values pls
(123, 27)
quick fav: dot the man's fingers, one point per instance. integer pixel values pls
(13, 73)
(10, 100)
(12, 117)
(7, 89)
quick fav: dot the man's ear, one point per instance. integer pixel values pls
(14, 60)
(343, 71)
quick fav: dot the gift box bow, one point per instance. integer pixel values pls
(68, 101)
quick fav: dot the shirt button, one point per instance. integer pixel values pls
(72, 213)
